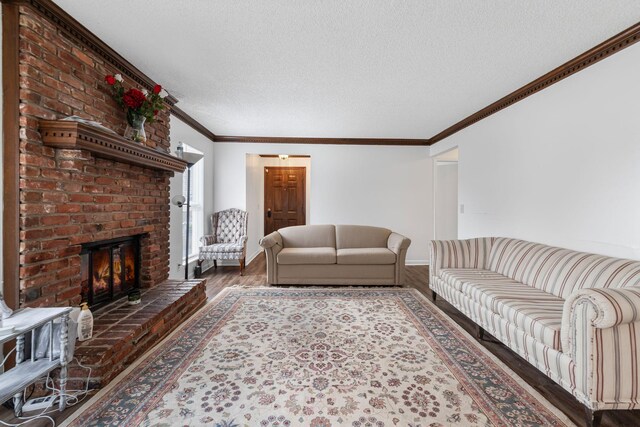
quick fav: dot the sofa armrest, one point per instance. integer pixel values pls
(468, 253)
(208, 239)
(600, 330)
(602, 308)
(398, 242)
(271, 240)
(272, 245)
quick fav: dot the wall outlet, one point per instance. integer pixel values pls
(40, 403)
(461, 208)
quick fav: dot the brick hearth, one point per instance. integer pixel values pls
(123, 332)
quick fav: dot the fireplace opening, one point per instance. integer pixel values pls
(109, 269)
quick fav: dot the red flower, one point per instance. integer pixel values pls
(157, 89)
(133, 98)
(155, 112)
(110, 80)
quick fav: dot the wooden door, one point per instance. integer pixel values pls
(284, 197)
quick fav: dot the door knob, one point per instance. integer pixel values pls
(268, 213)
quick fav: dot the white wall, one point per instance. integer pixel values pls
(561, 167)
(255, 195)
(182, 132)
(445, 200)
(374, 185)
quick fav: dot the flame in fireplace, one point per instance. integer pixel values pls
(129, 265)
(117, 270)
(109, 271)
(101, 271)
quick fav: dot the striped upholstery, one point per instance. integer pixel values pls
(575, 316)
(560, 271)
(554, 364)
(531, 310)
(470, 253)
(458, 277)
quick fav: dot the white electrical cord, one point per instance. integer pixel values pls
(7, 356)
(53, 423)
(73, 399)
(73, 396)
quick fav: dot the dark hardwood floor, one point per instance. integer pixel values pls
(417, 277)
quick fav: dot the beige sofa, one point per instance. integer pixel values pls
(335, 255)
(575, 316)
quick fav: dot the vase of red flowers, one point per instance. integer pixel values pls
(135, 127)
(140, 105)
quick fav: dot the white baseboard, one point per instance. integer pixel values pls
(252, 257)
(234, 262)
(416, 262)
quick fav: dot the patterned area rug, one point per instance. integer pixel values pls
(318, 357)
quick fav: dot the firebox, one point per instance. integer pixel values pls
(109, 269)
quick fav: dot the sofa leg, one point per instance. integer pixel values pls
(592, 418)
(433, 296)
(479, 333)
(242, 267)
(215, 264)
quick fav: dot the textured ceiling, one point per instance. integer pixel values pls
(338, 68)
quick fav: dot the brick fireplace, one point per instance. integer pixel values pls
(101, 198)
(70, 198)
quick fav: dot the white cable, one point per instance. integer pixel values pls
(74, 397)
(72, 394)
(53, 423)
(7, 356)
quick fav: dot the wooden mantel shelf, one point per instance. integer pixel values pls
(80, 136)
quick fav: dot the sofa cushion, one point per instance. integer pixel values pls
(361, 236)
(560, 271)
(223, 248)
(531, 310)
(309, 236)
(307, 256)
(366, 256)
(457, 277)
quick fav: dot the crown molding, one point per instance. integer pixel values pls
(79, 33)
(605, 49)
(307, 140)
(290, 156)
(178, 113)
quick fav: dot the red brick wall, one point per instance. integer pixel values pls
(68, 197)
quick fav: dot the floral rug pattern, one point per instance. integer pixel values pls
(319, 357)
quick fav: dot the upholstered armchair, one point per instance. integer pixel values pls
(228, 239)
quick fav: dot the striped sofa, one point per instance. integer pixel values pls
(575, 316)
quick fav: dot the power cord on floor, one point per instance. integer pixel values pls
(73, 398)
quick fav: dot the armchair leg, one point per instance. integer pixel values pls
(215, 264)
(242, 266)
(433, 296)
(593, 418)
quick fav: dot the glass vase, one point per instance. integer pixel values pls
(135, 128)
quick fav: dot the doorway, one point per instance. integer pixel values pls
(446, 196)
(284, 197)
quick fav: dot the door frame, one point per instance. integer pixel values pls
(436, 192)
(304, 192)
